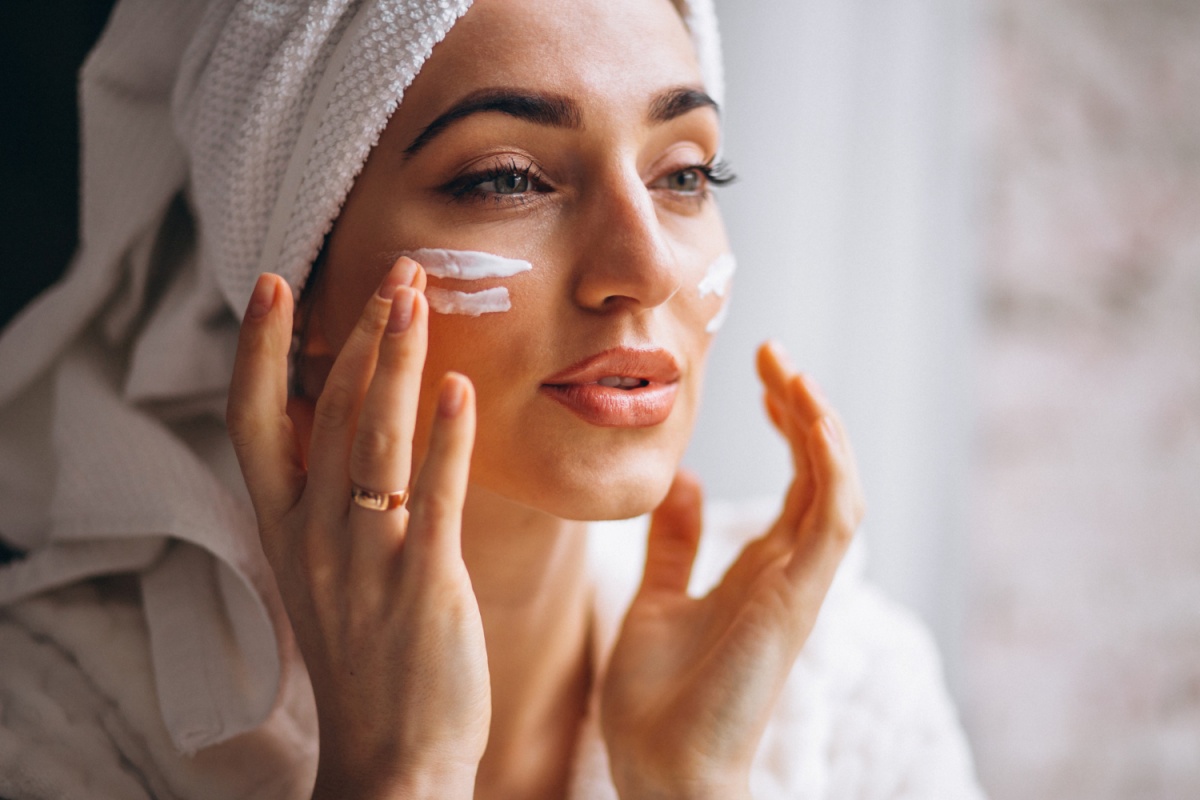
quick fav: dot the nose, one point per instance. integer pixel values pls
(624, 260)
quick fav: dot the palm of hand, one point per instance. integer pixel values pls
(691, 682)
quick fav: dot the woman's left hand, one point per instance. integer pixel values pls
(692, 681)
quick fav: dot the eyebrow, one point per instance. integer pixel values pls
(552, 110)
(543, 109)
(678, 101)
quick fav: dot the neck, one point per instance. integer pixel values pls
(528, 572)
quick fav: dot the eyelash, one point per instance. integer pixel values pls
(718, 173)
(465, 188)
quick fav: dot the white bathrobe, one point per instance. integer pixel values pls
(863, 716)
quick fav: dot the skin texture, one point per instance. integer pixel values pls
(447, 642)
(613, 261)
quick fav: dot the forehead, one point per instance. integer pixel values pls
(600, 52)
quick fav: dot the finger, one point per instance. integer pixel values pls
(674, 537)
(793, 402)
(789, 413)
(773, 368)
(777, 414)
(806, 400)
(256, 414)
(798, 394)
(832, 518)
(335, 417)
(381, 456)
(435, 527)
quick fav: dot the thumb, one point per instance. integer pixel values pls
(674, 537)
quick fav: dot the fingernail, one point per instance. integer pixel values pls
(450, 401)
(402, 273)
(262, 298)
(387, 289)
(401, 314)
(831, 431)
(405, 271)
(781, 355)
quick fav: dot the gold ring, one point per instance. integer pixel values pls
(378, 501)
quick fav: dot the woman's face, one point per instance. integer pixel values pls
(574, 137)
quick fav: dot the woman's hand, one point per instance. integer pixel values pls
(380, 601)
(692, 682)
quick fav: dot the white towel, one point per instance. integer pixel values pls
(220, 138)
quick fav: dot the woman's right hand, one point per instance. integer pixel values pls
(380, 601)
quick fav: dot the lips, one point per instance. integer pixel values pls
(618, 388)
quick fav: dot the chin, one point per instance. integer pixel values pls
(590, 489)
(618, 501)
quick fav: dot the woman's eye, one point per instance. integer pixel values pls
(509, 183)
(504, 183)
(685, 181)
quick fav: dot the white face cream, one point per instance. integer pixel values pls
(716, 280)
(467, 265)
(718, 320)
(470, 304)
(719, 275)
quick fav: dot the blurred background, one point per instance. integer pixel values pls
(977, 224)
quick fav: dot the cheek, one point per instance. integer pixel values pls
(500, 354)
(497, 351)
(337, 309)
(704, 293)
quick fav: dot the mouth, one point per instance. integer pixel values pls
(619, 388)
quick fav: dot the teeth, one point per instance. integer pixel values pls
(618, 382)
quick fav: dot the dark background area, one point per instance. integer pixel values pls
(42, 45)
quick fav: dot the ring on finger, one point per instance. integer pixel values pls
(378, 501)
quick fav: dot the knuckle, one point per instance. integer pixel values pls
(434, 511)
(335, 406)
(373, 448)
(315, 569)
(845, 523)
(374, 316)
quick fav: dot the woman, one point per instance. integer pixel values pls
(505, 334)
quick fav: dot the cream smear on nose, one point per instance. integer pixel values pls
(716, 280)
(467, 265)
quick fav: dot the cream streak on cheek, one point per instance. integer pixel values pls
(716, 281)
(719, 275)
(467, 265)
(469, 304)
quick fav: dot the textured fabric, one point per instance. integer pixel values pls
(863, 716)
(220, 138)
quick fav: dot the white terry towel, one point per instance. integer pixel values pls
(220, 138)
